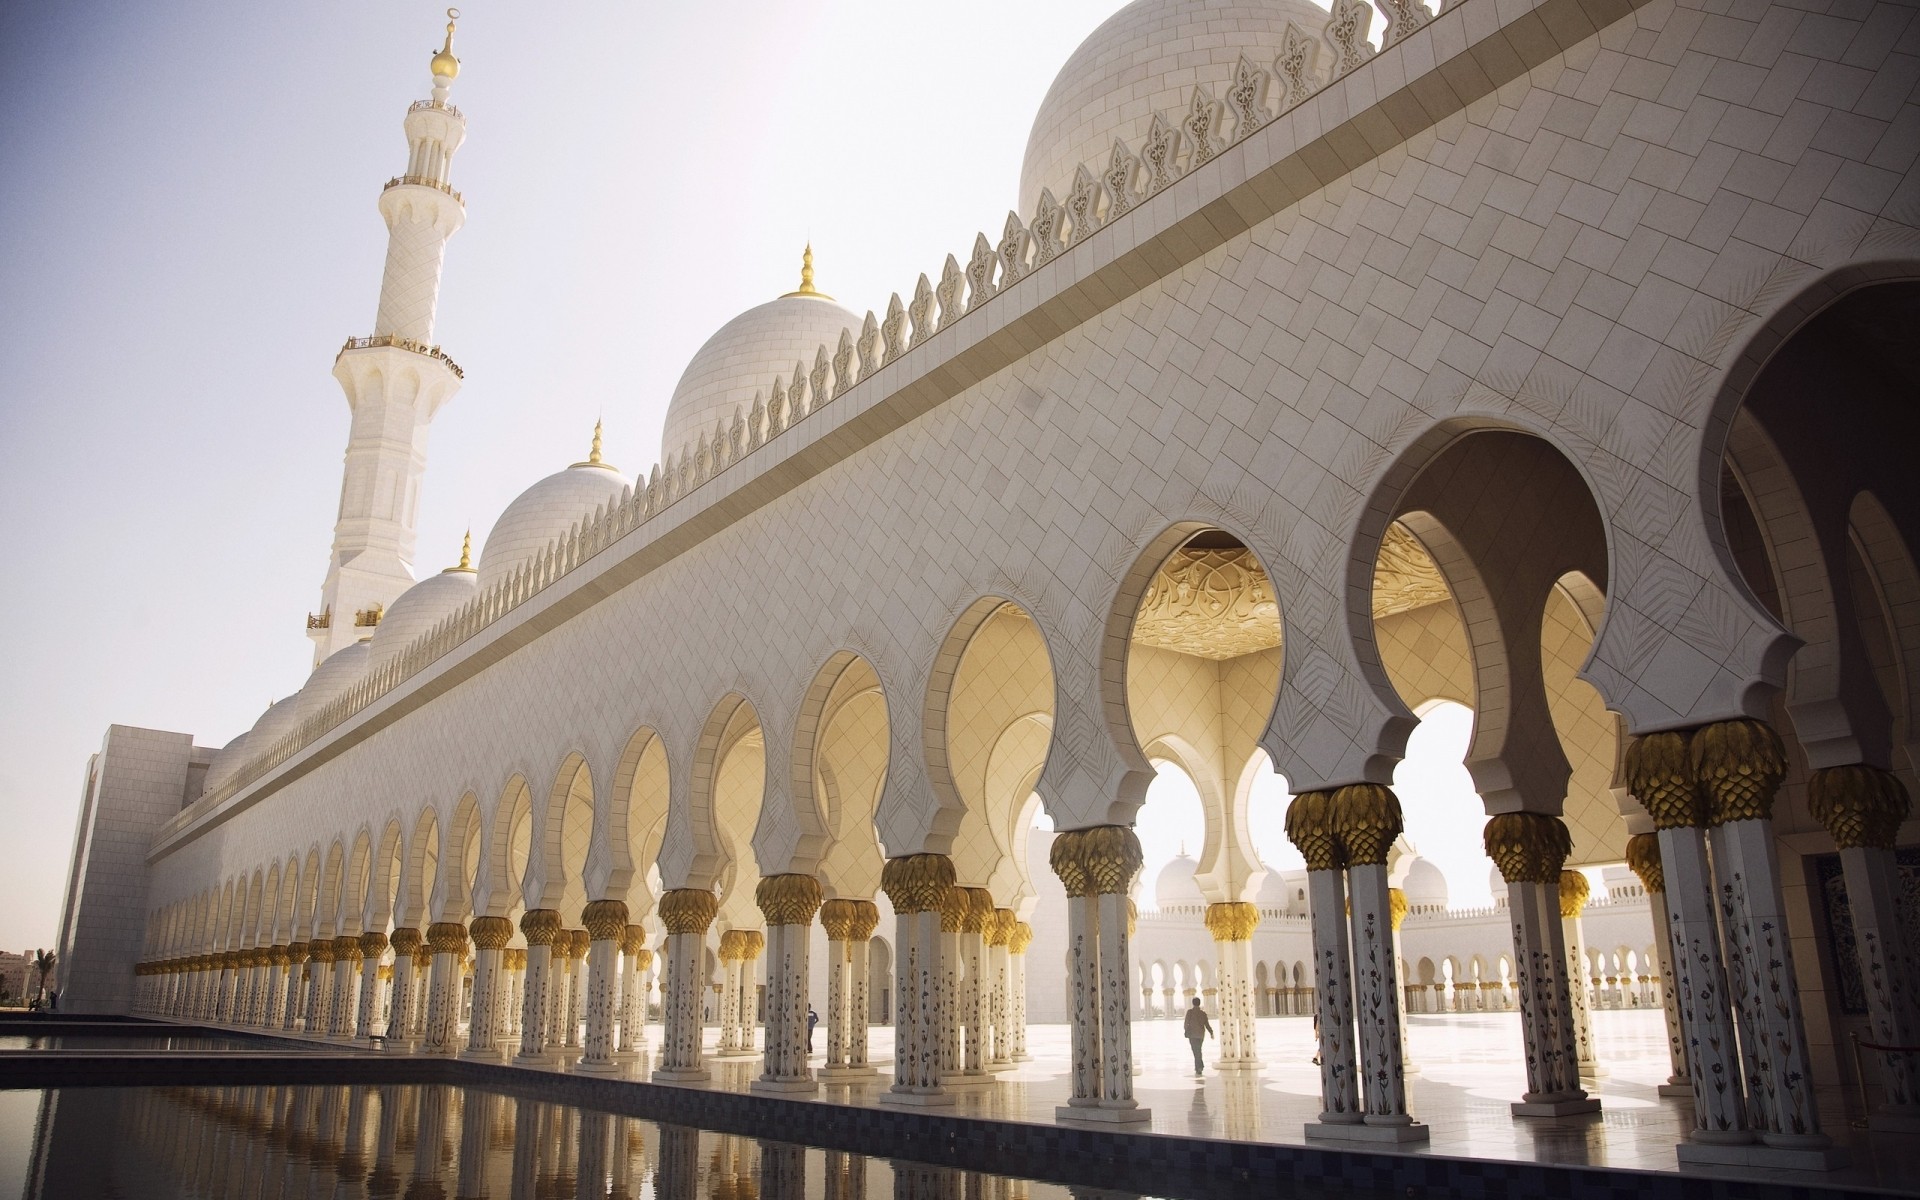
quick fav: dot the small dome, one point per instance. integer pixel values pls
(1176, 887)
(544, 513)
(273, 725)
(331, 679)
(1497, 884)
(1426, 886)
(419, 609)
(744, 357)
(226, 762)
(445, 64)
(1146, 59)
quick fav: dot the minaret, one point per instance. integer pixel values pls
(396, 379)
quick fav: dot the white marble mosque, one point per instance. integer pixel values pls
(1539, 356)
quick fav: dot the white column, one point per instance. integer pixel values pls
(1017, 943)
(1000, 982)
(1333, 996)
(406, 943)
(319, 985)
(917, 885)
(541, 927)
(1232, 925)
(789, 903)
(490, 938)
(731, 954)
(1376, 972)
(686, 912)
(1116, 1000)
(446, 939)
(606, 922)
(637, 960)
(576, 991)
(298, 955)
(372, 946)
(1574, 890)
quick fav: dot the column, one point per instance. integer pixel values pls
(1367, 820)
(346, 974)
(273, 1003)
(1017, 943)
(947, 999)
(1863, 808)
(582, 942)
(1530, 849)
(976, 987)
(917, 885)
(372, 947)
(866, 918)
(422, 993)
(633, 993)
(1397, 901)
(1739, 765)
(1574, 891)
(686, 912)
(999, 983)
(1659, 771)
(789, 903)
(732, 952)
(836, 916)
(542, 928)
(446, 940)
(490, 938)
(405, 942)
(1097, 866)
(1232, 925)
(298, 954)
(514, 959)
(319, 985)
(606, 922)
(753, 943)
(1310, 828)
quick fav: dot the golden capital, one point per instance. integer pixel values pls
(917, 883)
(1574, 890)
(1643, 857)
(752, 942)
(1233, 921)
(347, 947)
(372, 944)
(540, 924)
(605, 920)
(1861, 806)
(867, 920)
(788, 899)
(320, 950)
(278, 955)
(642, 959)
(447, 937)
(633, 940)
(1659, 771)
(580, 940)
(999, 927)
(1310, 829)
(730, 948)
(1528, 847)
(838, 916)
(404, 941)
(979, 910)
(298, 952)
(1099, 861)
(687, 910)
(423, 956)
(1020, 938)
(953, 909)
(491, 933)
(1366, 817)
(1739, 765)
(1396, 907)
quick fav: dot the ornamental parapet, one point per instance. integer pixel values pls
(426, 181)
(410, 345)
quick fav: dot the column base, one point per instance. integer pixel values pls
(485, 1056)
(938, 1099)
(783, 1087)
(1683, 1088)
(546, 1060)
(965, 1081)
(610, 1066)
(1753, 1154)
(1102, 1116)
(683, 1075)
(1413, 1131)
(1238, 1066)
(1593, 1071)
(846, 1074)
(1023, 1057)
(1408, 1070)
(997, 1067)
(1555, 1108)
(736, 1055)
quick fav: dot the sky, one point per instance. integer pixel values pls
(188, 232)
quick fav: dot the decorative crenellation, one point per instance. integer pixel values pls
(1860, 805)
(1574, 890)
(1233, 921)
(788, 899)
(606, 920)
(1176, 144)
(917, 883)
(1528, 847)
(1643, 858)
(688, 910)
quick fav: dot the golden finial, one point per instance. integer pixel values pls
(593, 455)
(444, 63)
(466, 555)
(806, 278)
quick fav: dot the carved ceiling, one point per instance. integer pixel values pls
(1217, 602)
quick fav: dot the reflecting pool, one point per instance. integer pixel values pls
(226, 1143)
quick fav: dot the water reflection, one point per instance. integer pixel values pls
(228, 1143)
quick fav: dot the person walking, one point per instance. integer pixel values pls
(813, 1018)
(1199, 1029)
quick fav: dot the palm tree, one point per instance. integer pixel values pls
(43, 961)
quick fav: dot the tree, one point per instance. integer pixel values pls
(43, 962)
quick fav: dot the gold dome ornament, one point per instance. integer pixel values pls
(444, 63)
(806, 278)
(466, 556)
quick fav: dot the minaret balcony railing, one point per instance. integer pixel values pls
(424, 181)
(402, 343)
(451, 110)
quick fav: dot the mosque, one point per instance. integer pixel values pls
(1540, 356)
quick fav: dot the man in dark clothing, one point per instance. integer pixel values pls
(813, 1018)
(1199, 1029)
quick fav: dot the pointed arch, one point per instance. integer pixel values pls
(637, 802)
(421, 870)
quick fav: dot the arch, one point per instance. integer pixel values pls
(421, 869)
(288, 917)
(389, 866)
(796, 838)
(562, 834)
(731, 721)
(509, 852)
(353, 900)
(256, 905)
(460, 882)
(1889, 565)
(308, 910)
(332, 881)
(269, 916)
(638, 800)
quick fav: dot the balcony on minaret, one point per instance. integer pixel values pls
(401, 343)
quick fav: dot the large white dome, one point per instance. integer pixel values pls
(1426, 886)
(1175, 887)
(743, 357)
(274, 724)
(331, 679)
(419, 609)
(225, 763)
(544, 513)
(1146, 59)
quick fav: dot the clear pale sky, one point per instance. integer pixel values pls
(188, 232)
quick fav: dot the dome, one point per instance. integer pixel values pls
(1176, 887)
(1146, 59)
(1425, 886)
(331, 679)
(419, 609)
(744, 356)
(273, 725)
(1497, 884)
(544, 513)
(226, 763)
